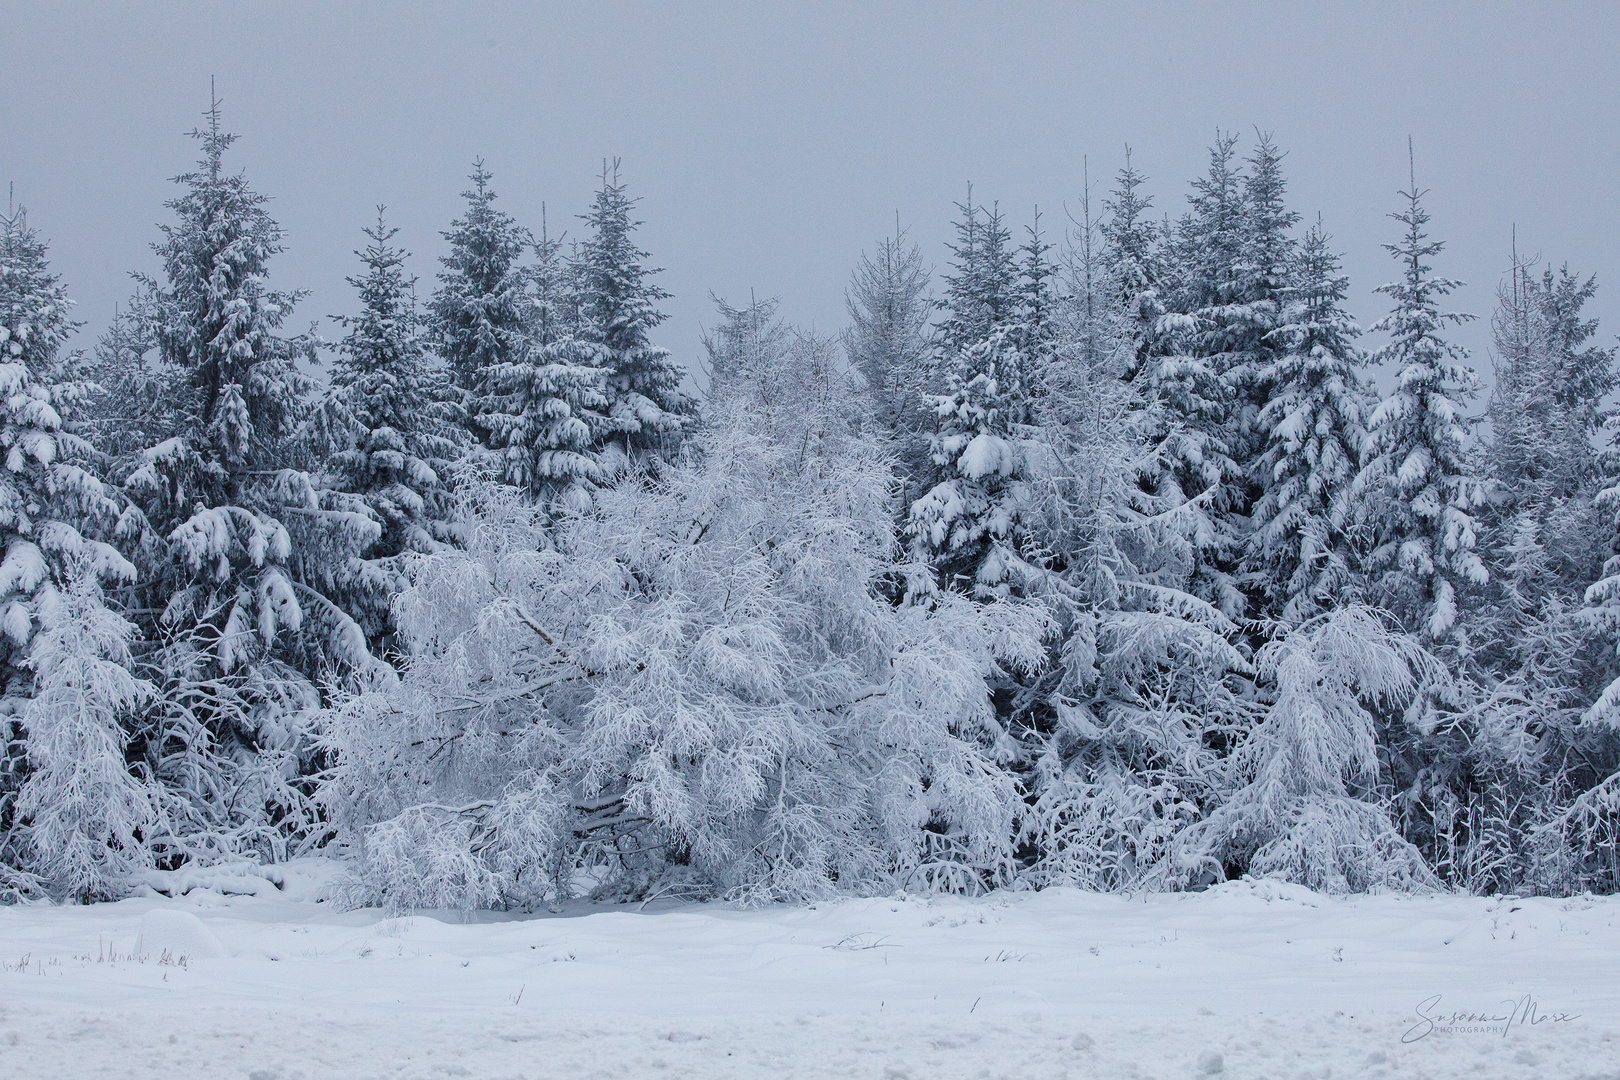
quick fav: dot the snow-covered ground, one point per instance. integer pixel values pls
(1246, 980)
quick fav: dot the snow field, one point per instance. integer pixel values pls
(1246, 980)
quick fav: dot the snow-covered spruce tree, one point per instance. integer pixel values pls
(1415, 475)
(50, 498)
(389, 421)
(698, 684)
(1512, 759)
(969, 522)
(1585, 833)
(127, 406)
(1209, 329)
(1419, 498)
(1034, 318)
(476, 316)
(1603, 610)
(234, 544)
(1536, 795)
(1311, 429)
(1140, 693)
(618, 310)
(1308, 807)
(1132, 257)
(1231, 257)
(888, 342)
(1546, 412)
(981, 292)
(542, 408)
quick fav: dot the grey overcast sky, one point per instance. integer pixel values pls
(771, 143)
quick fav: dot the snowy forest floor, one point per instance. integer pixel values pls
(1250, 979)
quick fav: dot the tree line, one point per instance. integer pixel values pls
(1106, 566)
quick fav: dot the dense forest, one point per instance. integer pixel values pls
(1107, 559)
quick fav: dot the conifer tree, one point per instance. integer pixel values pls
(1034, 317)
(1547, 405)
(1130, 253)
(1233, 252)
(969, 523)
(53, 508)
(540, 410)
(1547, 536)
(1207, 264)
(981, 291)
(748, 343)
(888, 339)
(646, 407)
(1268, 260)
(476, 316)
(392, 420)
(1138, 690)
(50, 494)
(1311, 428)
(1414, 468)
(236, 544)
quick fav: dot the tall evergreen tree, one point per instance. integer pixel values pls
(981, 290)
(1414, 468)
(1034, 318)
(1131, 254)
(476, 316)
(1266, 278)
(1138, 693)
(541, 409)
(749, 342)
(1547, 400)
(646, 407)
(1311, 428)
(50, 495)
(1194, 377)
(1233, 251)
(393, 423)
(888, 338)
(53, 508)
(970, 522)
(237, 545)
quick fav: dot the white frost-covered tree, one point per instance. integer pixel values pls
(1121, 758)
(699, 683)
(1307, 806)
(85, 824)
(747, 341)
(888, 341)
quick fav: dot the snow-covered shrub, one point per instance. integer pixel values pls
(84, 821)
(1308, 807)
